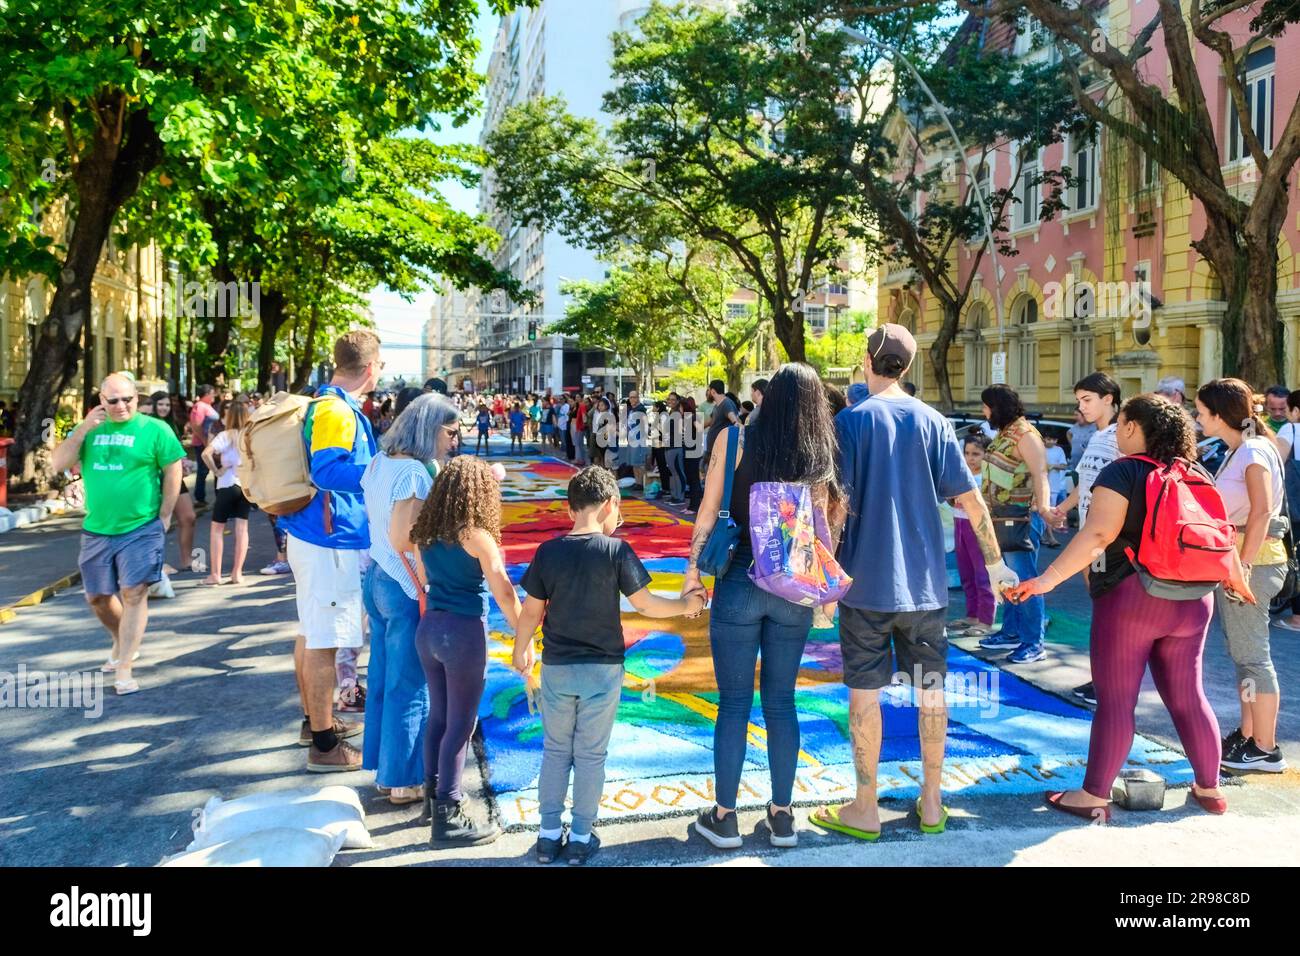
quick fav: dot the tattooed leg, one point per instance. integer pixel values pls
(932, 724)
(865, 726)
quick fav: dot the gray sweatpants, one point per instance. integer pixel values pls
(1246, 628)
(578, 704)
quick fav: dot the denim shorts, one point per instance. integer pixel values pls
(111, 562)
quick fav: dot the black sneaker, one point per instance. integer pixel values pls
(548, 851)
(1087, 693)
(1250, 757)
(781, 827)
(578, 852)
(1232, 743)
(452, 826)
(724, 833)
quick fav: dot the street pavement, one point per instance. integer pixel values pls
(219, 715)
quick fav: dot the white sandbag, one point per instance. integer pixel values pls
(217, 809)
(282, 846)
(332, 816)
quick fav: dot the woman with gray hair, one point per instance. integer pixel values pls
(395, 484)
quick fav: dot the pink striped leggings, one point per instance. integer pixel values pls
(1131, 629)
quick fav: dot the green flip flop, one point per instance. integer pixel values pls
(932, 827)
(831, 821)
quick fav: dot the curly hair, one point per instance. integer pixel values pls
(1167, 427)
(465, 496)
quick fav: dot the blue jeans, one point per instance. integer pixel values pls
(578, 703)
(397, 705)
(747, 623)
(1025, 620)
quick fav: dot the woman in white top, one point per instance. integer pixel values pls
(1250, 481)
(230, 503)
(394, 486)
(1288, 443)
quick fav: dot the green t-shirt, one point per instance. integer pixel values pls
(121, 467)
(1275, 425)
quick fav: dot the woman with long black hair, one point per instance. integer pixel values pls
(161, 404)
(792, 441)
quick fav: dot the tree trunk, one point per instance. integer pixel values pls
(1247, 271)
(939, 353)
(107, 175)
(789, 330)
(272, 318)
(308, 361)
(733, 362)
(217, 338)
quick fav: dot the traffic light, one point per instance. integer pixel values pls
(532, 330)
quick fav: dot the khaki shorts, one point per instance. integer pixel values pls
(328, 589)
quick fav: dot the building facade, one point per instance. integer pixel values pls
(126, 325)
(1071, 295)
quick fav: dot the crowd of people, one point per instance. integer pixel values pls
(402, 540)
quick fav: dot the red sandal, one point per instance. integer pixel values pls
(1090, 814)
(1215, 805)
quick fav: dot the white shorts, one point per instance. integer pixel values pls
(328, 588)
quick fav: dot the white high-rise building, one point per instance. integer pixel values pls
(448, 350)
(558, 48)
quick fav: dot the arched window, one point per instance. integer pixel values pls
(1023, 314)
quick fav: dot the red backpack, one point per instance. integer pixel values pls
(1187, 540)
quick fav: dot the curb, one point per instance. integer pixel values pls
(36, 597)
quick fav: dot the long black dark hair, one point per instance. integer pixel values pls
(1004, 405)
(794, 438)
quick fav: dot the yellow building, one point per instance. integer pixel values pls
(126, 318)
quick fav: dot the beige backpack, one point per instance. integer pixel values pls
(274, 470)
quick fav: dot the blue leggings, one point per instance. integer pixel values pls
(453, 653)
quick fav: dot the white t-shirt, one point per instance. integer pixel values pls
(225, 446)
(1231, 479)
(1101, 451)
(1290, 433)
(1056, 479)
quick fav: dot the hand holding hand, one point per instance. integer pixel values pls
(1001, 579)
(523, 657)
(1057, 519)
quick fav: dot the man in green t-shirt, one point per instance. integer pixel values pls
(131, 469)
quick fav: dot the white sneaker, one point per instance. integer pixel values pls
(162, 589)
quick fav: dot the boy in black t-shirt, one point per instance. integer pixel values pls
(574, 585)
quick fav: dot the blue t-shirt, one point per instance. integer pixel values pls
(517, 423)
(898, 458)
(484, 421)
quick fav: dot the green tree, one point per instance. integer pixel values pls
(700, 100)
(227, 93)
(635, 313)
(1179, 127)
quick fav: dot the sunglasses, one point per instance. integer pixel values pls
(114, 401)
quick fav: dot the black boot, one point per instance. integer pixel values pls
(453, 827)
(430, 791)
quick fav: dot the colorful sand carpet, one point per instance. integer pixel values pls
(1005, 735)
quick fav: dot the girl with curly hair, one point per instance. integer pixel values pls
(458, 532)
(1131, 628)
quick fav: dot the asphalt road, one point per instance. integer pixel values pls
(219, 715)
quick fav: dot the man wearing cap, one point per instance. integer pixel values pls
(898, 459)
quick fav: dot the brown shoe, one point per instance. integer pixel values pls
(343, 757)
(342, 728)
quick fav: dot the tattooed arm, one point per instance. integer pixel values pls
(981, 522)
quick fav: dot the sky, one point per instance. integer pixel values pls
(399, 321)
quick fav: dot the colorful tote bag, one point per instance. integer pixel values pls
(792, 549)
